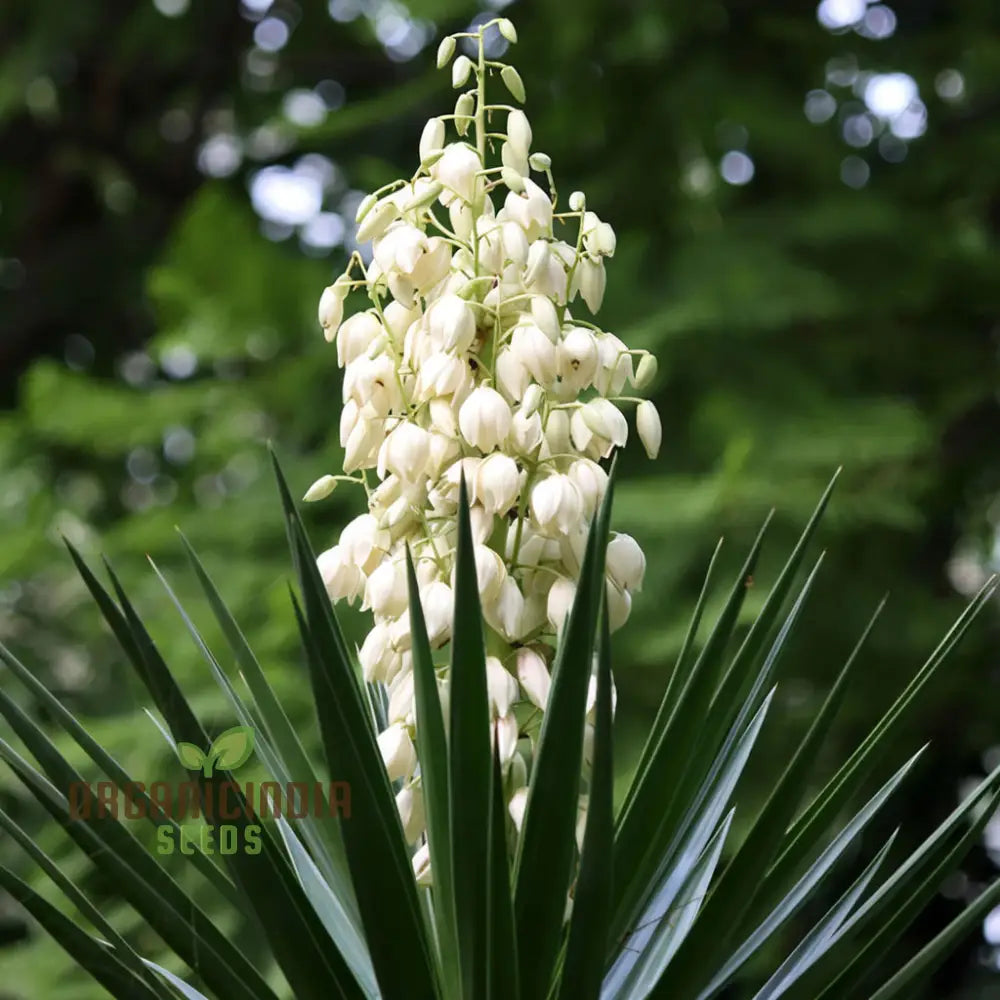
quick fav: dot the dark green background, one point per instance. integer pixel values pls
(801, 323)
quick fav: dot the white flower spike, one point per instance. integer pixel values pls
(470, 354)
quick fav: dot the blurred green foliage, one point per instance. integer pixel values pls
(154, 336)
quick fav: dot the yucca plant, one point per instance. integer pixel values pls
(482, 856)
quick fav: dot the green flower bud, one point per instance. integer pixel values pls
(321, 489)
(423, 198)
(460, 70)
(512, 81)
(445, 51)
(645, 372)
(464, 108)
(540, 161)
(507, 29)
(367, 203)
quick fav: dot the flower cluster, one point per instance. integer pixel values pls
(468, 360)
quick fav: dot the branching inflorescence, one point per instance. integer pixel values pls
(469, 360)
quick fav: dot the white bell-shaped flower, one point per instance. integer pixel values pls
(456, 170)
(364, 543)
(355, 335)
(397, 750)
(535, 352)
(343, 579)
(438, 603)
(577, 359)
(534, 676)
(498, 483)
(405, 452)
(625, 562)
(484, 418)
(525, 435)
(531, 210)
(410, 803)
(452, 323)
(592, 482)
(560, 602)
(375, 653)
(506, 614)
(556, 504)
(385, 592)
(500, 686)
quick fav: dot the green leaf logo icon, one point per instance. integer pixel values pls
(191, 757)
(230, 750)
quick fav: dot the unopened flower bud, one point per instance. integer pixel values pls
(577, 201)
(512, 81)
(512, 158)
(519, 133)
(427, 193)
(590, 279)
(398, 752)
(460, 70)
(645, 371)
(647, 422)
(445, 51)
(464, 108)
(507, 29)
(320, 489)
(365, 206)
(540, 161)
(432, 138)
(377, 221)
